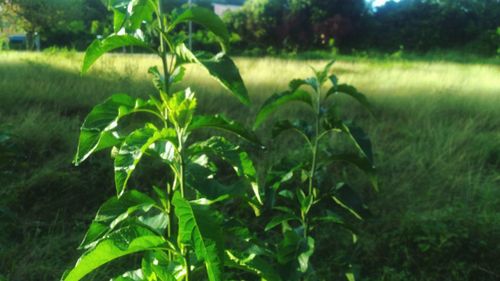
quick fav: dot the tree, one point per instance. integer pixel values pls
(60, 22)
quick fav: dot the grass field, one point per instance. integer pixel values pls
(436, 137)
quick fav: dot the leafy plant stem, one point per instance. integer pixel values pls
(188, 265)
(163, 51)
(316, 142)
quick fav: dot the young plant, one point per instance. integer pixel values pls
(174, 225)
(304, 193)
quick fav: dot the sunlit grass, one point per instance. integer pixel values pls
(436, 135)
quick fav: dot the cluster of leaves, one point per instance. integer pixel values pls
(182, 226)
(303, 194)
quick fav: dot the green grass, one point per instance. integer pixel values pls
(436, 137)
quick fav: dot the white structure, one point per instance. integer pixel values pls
(220, 9)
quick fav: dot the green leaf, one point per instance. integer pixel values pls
(158, 78)
(311, 81)
(335, 80)
(202, 178)
(277, 100)
(119, 8)
(223, 123)
(287, 247)
(120, 5)
(131, 151)
(222, 148)
(360, 140)
(200, 229)
(279, 219)
(254, 264)
(352, 92)
(207, 19)
(135, 275)
(165, 149)
(177, 75)
(221, 67)
(125, 241)
(362, 163)
(329, 217)
(114, 211)
(156, 265)
(100, 47)
(300, 126)
(142, 10)
(181, 107)
(119, 18)
(322, 75)
(239, 160)
(306, 202)
(306, 250)
(348, 199)
(99, 128)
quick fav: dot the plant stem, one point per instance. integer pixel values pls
(163, 51)
(188, 264)
(315, 145)
(180, 175)
(180, 138)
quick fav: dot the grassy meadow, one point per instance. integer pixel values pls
(436, 138)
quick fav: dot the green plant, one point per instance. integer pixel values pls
(175, 224)
(305, 193)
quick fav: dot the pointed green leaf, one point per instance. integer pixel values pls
(360, 140)
(119, 8)
(306, 250)
(119, 18)
(311, 81)
(177, 75)
(207, 19)
(240, 161)
(221, 67)
(142, 10)
(335, 80)
(287, 247)
(253, 264)
(99, 128)
(114, 211)
(302, 127)
(362, 163)
(158, 78)
(329, 217)
(226, 72)
(277, 100)
(100, 47)
(202, 178)
(352, 92)
(322, 75)
(131, 151)
(199, 229)
(279, 219)
(348, 199)
(223, 123)
(125, 241)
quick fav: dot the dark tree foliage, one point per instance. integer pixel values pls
(421, 26)
(415, 25)
(296, 24)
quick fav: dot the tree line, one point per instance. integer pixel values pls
(296, 25)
